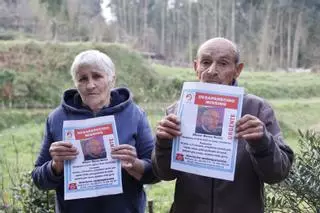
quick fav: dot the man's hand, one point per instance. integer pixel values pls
(249, 128)
(168, 128)
(61, 151)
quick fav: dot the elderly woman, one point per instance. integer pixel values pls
(93, 74)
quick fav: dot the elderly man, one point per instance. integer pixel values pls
(262, 155)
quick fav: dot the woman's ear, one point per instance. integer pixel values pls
(113, 81)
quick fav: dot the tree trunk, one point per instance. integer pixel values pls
(163, 26)
(130, 18)
(281, 62)
(201, 22)
(145, 24)
(178, 39)
(274, 41)
(216, 17)
(252, 62)
(233, 21)
(135, 19)
(289, 38)
(264, 46)
(296, 43)
(124, 15)
(190, 31)
(219, 19)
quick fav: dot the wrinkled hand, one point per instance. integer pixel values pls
(61, 151)
(168, 128)
(249, 128)
(126, 153)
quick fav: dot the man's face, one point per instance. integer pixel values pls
(93, 86)
(210, 119)
(95, 148)
(216, 63)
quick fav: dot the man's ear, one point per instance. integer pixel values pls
(195, 66)
(239, 69)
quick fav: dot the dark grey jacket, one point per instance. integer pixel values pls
(266, 161)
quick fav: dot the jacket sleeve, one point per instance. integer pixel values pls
(161, 155)
(42, 174)
(144, 147)
(271, 157)
(161, 160)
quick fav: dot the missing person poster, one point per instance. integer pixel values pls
(208, 114)
(93, 173)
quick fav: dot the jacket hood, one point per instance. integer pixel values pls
(120, 99)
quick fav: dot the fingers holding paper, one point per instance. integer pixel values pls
(61, 151)
(249, 128)
(126, 153)
(168, 128)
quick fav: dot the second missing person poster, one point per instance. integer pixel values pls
(208, 115)
(93, 173)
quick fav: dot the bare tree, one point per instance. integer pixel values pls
(289, 37)
(297, 39)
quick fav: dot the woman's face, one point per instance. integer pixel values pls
(93, 86)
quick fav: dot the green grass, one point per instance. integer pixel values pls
(294, 114)
(184, 74)
(269, 85)
(162, 195)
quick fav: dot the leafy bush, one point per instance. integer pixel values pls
(300, 192)
(17, 190)
(31, 198)
(28, 198)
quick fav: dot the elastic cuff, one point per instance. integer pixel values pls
(53, 176)
(260, 147)
(148, 175)
(164, 144)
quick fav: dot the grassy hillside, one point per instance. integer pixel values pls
(270, 85)
(37, 72)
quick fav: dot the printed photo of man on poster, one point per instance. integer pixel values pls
(209, 120)
(93, 148)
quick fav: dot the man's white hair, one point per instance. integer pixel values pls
(93, 58)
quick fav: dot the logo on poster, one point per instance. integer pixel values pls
(69, 134)
(72, 186)
(179, 157)
(188, 97)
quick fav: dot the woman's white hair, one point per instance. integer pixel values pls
(93, 58)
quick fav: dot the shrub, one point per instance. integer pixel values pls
(300, 192)
(31, 198)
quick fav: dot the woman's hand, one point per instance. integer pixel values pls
(61, 151)
(127, 154)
